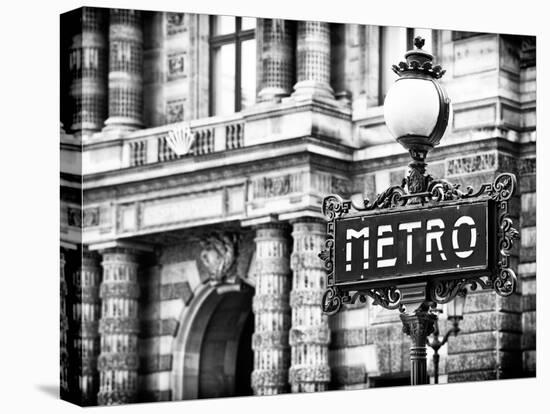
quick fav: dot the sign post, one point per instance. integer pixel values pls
(424, 242)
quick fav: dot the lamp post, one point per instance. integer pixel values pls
(455, 311)
(416, 111)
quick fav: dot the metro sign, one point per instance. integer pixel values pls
(430, 245)
(405, 244)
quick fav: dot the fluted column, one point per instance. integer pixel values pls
(85, 316)
(277, 58)
(118, 327)
(88, 71)
(271, 311)
(313, 60)
(310, 334)
(63, 328)
(125, 70)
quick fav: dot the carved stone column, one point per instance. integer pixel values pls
(63, 328)
(313, 60)
(310, 334)
(418, 325)
(119, 327)
(125, 70)
(277, 58)
(88, 71)
(272, 311)
(86, 310)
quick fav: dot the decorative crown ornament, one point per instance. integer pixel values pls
(181, 139)
(419, 61)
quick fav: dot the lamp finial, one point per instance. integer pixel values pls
(419, 42)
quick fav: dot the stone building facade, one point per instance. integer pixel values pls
(195, 276)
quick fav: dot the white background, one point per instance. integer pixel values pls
(29, 231)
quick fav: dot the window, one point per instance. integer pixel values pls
(233, 64)
(394, 42)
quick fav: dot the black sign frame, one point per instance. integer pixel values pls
(441, 287)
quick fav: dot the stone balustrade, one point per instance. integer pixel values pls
(148, 146)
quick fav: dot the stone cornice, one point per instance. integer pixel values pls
(212, 179)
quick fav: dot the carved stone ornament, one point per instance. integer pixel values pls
(181, 139)
(440, 289)
(218, 255)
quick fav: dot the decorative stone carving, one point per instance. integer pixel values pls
(218, 257)
(269, 380)
(310, 334)
(174, 110)
(268, 187)
(472, 164)
(174, 23)
(484, 162)
(175, 63)
(269, 340)
(268, 303)
(304, 297)
(311, 374)
(180, 139)
(271, 311)
(118, 362)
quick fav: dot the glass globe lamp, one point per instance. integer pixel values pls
(417, 109)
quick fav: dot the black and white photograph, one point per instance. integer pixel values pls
(253, 205)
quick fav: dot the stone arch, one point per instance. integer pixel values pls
(204, 353)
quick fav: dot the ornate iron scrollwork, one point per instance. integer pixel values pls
(504, 281)
(331, 302)
(333, 207)
(502, 190)
(443, 291)
(387, 297)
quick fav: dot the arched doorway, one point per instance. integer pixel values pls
(213, 349)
